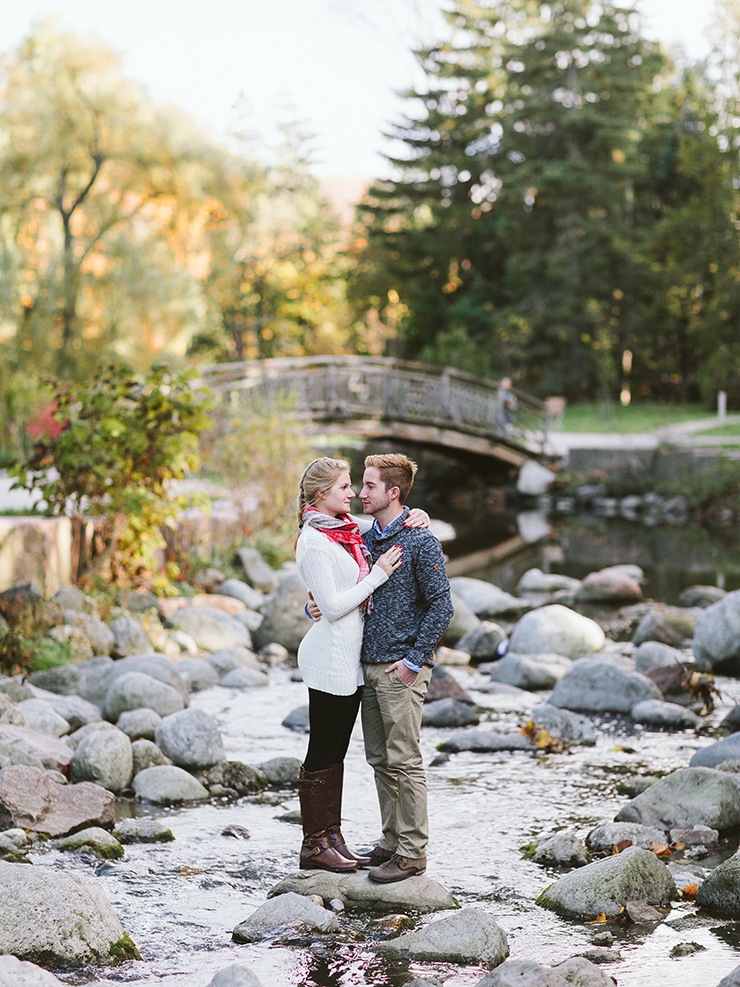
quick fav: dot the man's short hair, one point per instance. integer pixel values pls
(396, 470)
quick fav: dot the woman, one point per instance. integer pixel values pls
(338, 570)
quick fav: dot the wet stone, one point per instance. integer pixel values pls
(95, 840)
(471, 936)
(575, 971)
(281, 770)
(605, 838)
(235, 975)
(359, 893)
(297, 720)
(448, 713)
(143, 831)
(282, 913)
(687, 798)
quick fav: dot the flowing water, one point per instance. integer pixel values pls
(180, 901)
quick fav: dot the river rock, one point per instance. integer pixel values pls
(227, 659)
(564, 725)
(575, 972)
(199, 673)
(286, 912)
(448, 713)
(559, 850)
(485, 741)
(139, 723)
(297, 720)
(62, 680)
(655, 713)
(52, 752)
(235, 778)
(542, 588)
(40, 716)
(251, 619)
(75, 739)
(284, 618)
(129, 637)
(166, 784)
(98, 841)
(532, 674)
(211, 629)
(257, 572)
(145, 754)
(602, 685)
(687, 797)
(16, 687)
(717, 633)
(29, 799)
(653, 654)
(19, 973)
(100, 673)
(143, 831)
(74, 709)
(609, 586)
(482, 643)
(244, 678)
(720, 891)
(72, 598)
(463, 620)
(59, 918)
(471, 936)
(235, 975)
(105, 758)
(701, 596)
(556, 629)
(252, 598)
(605, 886)
(444, 685)
(281, 770)
(135, 690)
(713, 755)
(10, 712)
(416, 894)
(486, 600)
(732, 979)
(101, 638)
(669, 625)
(606, 837)
(191, 739)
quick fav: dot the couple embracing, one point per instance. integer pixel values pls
(383, 597)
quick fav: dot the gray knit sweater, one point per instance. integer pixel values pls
(412, 610)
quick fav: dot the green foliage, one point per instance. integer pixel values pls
(710, 490)
(259, 449)
(20, 653)
(124, 439)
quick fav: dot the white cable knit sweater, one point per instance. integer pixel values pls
(329, 654)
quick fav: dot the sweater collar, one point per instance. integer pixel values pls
(388, 530)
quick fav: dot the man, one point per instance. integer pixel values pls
(408, 617)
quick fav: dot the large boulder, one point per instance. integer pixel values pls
(244, 678)
(105, 758)
(717, 632)
(668, 716)
(74, 709)
(606, 837)
(62, 680)
(135, 690)
(191, 739)
(211, 629)
(257, 572)
(575, 972)
(129, 637)
(669, 625)
(483, 641)
(720, 891)
(358, 892)
(654, 654)
(235, 975)
(139, 724)
(51, 751)
(166, 784)
(541, 588)
(470, 936)
(687, 798)
(59, 919)
(145, 754)
(283, 913)
(486, 600)
(448, 713)
(198, 673)
(732, 979)
(284, 618)
(100, 637)
(463, 620)
(556, 629)
(30, 800)
(98, 674)
(40, 716)
(19, 973)
(252, 598)
(602, 685)
(564, 725)
(605, 886)
(227, 659)
(714, 755)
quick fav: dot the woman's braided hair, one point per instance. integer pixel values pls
(318, 478)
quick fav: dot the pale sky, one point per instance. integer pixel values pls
(338, 62)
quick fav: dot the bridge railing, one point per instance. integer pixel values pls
(343, 388)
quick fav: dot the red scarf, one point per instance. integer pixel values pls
(344, 531)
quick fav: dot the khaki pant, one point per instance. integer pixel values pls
(391, 724)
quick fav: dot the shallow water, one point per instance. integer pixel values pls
(180, 901)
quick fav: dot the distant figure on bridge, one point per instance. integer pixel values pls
(505, 406)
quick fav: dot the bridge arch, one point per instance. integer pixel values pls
(382, 397)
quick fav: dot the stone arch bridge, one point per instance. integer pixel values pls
(386, 398)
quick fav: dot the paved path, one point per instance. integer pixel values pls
(682, 434)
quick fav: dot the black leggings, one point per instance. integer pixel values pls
(330, 719)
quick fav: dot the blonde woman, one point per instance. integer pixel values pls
(341, 577)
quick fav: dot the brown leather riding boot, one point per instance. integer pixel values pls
(334, 816)
(317, 851)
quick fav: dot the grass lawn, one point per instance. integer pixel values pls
(729, 429)
(637, 417)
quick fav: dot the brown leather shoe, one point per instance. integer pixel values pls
(377, 855)
(398, 868)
